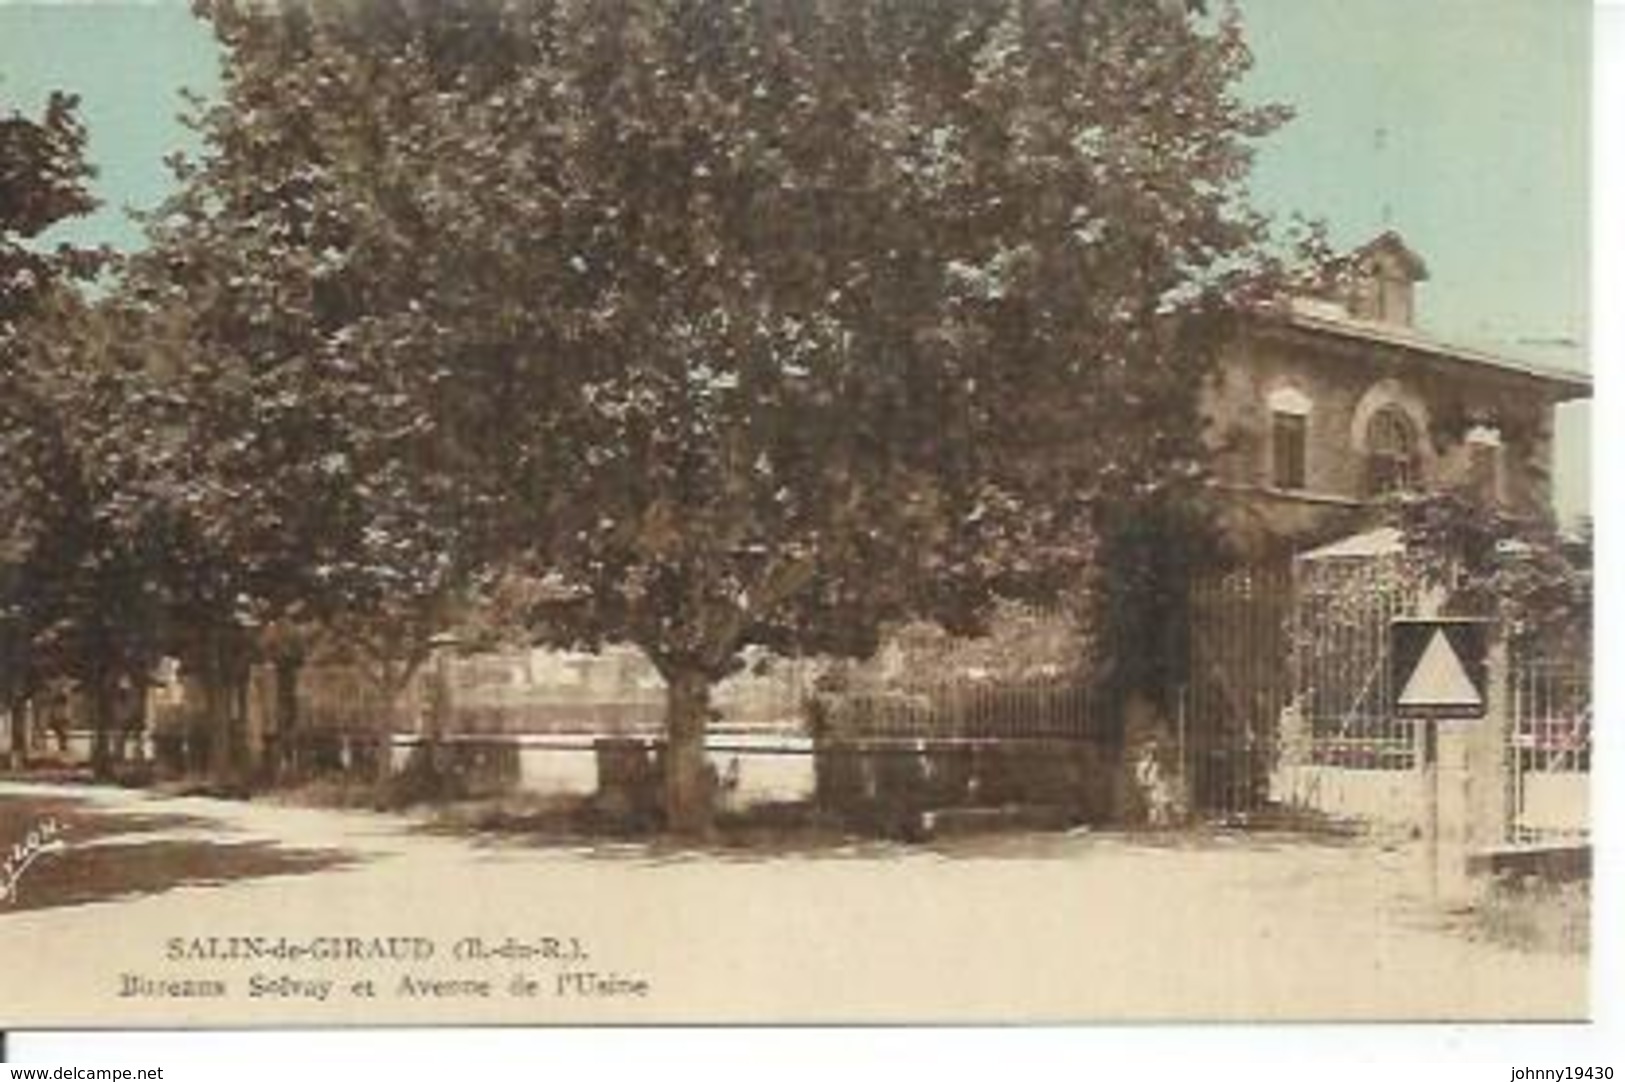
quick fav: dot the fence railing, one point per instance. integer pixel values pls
(1239, 680)
(965, 712)
(1344, 613)
(1549, 750)
(1551, 711)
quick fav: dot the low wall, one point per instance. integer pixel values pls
(1388, 798)
(752, 768)
(764, 768)
(885, 777)
(1557, 804)
(1552, 803)
(563, 768)
(79, 747)
(770, 768)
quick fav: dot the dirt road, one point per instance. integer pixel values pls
(166, 911)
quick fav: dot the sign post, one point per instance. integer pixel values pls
(1439, 674)
(1430, 800)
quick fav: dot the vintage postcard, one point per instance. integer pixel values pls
(694, 511)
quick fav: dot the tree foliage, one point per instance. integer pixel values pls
(738, 322)
(76, 596)
(44, 180)
(1525, 572)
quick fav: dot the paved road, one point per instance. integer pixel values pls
(1019, 929)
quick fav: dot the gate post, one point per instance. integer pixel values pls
(1473, 810)
(1450, 674)
(1452, 809)
(1490, 805)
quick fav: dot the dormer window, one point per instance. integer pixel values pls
(1392, 461)
(1385, 274)
(1289, 439)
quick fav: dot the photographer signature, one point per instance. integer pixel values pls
(43, 837)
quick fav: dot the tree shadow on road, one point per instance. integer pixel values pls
(739, 841)
(82, 820)
(89, 864)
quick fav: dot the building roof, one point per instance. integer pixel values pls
(1324, 318)
(1383, 541)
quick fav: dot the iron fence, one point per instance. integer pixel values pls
(966, 712)
(1549, 752)
(1240, 680)
(1551, 710)
(1341, 665)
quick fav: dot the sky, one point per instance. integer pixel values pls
(1465, 125)
(1461, 123)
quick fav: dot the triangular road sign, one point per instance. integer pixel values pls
(1440, 679)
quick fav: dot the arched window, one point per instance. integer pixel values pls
(1391, 452)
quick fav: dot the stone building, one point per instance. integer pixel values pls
(1315, 413)
(1331, 403)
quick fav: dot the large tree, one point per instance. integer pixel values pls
(68, 581)
(761, 322)
(92, 577)
(283, 307)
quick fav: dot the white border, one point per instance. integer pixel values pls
(1331, 1053)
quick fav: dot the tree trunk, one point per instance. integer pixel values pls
(241, 678)
(287, 765)
(21, 720)
(136, 728)
(103, 711)
(216, 708)
(384, 738)
(225, 677)
(394, 685)
(688, 783)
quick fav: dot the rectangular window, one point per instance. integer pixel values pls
(1289, 438)
(1484, 469)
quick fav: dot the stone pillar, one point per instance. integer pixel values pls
(435, 719)
(1474, 800)
(1451, 791)
(434, 714)
(1489, 798)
